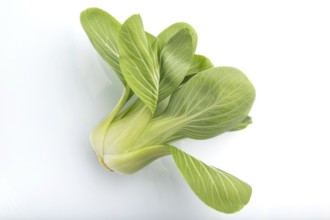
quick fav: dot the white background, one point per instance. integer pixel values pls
(53, 91)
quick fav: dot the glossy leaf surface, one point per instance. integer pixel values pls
(138, 61)
(212, 102)
(175, 60)
(216, 188)
(102, 29)
(170, 31)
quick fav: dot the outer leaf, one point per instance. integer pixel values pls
(102, 30)
(151, 39)
(198, 64)
(138, 61)
(175, 59)
(216, 188)
(246, 122)
(169, 32)
(212, 102)
(153, 45)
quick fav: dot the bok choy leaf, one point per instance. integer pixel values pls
(176, 94)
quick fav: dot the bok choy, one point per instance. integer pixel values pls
(175, 94)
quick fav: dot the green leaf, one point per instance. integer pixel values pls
(169, 32)
(102, 30)
(216, 188)
(175, 59)
(151, 39)
(246, 122)
(212, 102)
(198, 64)
(153, 45)
(138, 61)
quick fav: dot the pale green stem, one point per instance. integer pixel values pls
(130, 162)
(99, 133)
